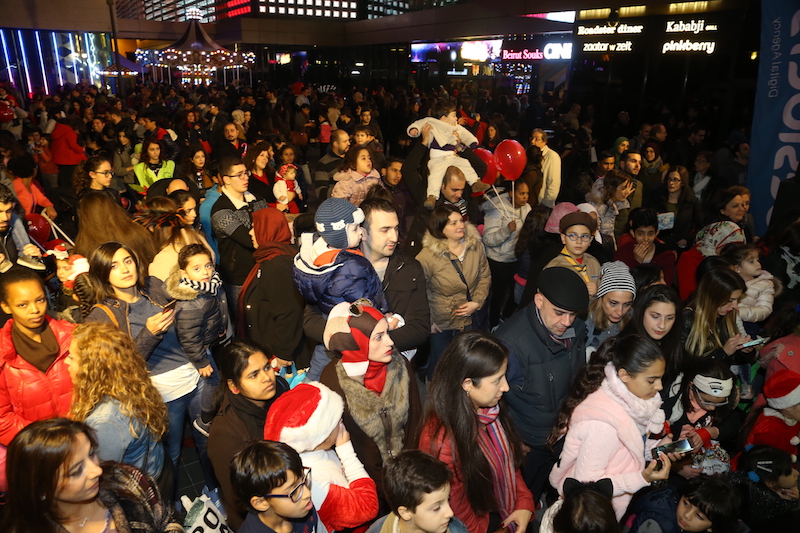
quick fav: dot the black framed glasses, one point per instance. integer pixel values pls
(297, 492)
(104, 172)
(241, 175)
(575, 237)
(674, 180)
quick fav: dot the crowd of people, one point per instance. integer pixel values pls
(362, 325)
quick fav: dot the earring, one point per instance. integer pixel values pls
(467, 392)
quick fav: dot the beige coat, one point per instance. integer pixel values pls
(446, 291)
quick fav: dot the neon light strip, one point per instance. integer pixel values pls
(58, 64)
(89, 62)
(5, 53)
(25, 60)
(74, 65)
(41, 62)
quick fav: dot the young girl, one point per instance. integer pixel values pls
(152, 166)
(698, 409)
(711, 319)
(586, 508)
(608, 201)
(324, 132)
(201, 319)
(656, 314)
(286, 188)
(704, 504)
(609, 311)
(756, 305)
(356, 175)
(767, 480)
(608, 417)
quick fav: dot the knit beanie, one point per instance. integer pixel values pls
(782, 389)
(348, 331)
(616, 276)
(304, 416)
(558, 212)
(332, 218)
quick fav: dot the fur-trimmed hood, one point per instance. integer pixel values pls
(175, 289)
(472, 239)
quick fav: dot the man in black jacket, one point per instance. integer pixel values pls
(403, 282)
(231, 221)
(548, 347)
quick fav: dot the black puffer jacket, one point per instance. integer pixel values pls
(201, 318)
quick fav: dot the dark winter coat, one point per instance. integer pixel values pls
(200, 318)
(540, 372)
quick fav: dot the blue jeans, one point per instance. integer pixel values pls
(177, 410)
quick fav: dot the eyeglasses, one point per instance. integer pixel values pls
(674, 180)
(575, 237)
(705, 403)
(297, 492)
(105, 173)
(241, 175)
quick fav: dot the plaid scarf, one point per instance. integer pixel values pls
(495, 447)
(212, 286)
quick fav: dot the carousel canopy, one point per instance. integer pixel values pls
(123, 68)
(195, 51)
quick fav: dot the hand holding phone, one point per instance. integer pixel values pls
(756, 342)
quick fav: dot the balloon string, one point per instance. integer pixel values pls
(497, 194)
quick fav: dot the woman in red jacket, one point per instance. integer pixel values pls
(34, 379)
(466, 428)
(66, 151)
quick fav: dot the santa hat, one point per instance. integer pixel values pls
(782, 389)
(80, 265)
(348, 331)
(59, 251)
(304, 416)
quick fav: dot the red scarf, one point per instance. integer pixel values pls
(494, 444)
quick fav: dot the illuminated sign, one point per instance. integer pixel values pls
(624, 46)
(482, 51)
(550, 51)
(693, 26)
(620, 29)
(685, 45)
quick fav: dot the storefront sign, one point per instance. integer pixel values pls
(620, 29)
(685, 45)
(550, 51)
(624, 46)
(693, 26)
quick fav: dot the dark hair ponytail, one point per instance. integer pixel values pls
(634, 353)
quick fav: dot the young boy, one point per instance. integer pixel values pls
(331, 269)
(309, 419)
(270, 478)
(448, 136)
(577, 231)
(201, 319)
(703, 504)
(417, 487)
(643, 245)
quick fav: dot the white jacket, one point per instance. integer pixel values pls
(443, 133)
(498, 239)
(757, 302)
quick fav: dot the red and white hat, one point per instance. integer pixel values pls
(782, 389)
(304, 416)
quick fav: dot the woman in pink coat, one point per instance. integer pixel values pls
(609, 417)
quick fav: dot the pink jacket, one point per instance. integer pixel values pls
(353, 186)
(606, 439)
(757, 302)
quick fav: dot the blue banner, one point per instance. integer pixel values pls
(775, 144)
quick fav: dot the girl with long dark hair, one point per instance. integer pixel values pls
(658, 314)
(610, 417)
(467, 428)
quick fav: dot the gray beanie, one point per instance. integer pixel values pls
(332, 218)
(616, 276)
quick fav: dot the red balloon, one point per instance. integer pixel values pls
(491, 167)
(38, 227)
(510, 158)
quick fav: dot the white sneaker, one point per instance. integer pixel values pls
(5, 266)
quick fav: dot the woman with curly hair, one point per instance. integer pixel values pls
(114, 396)
(94, 174)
